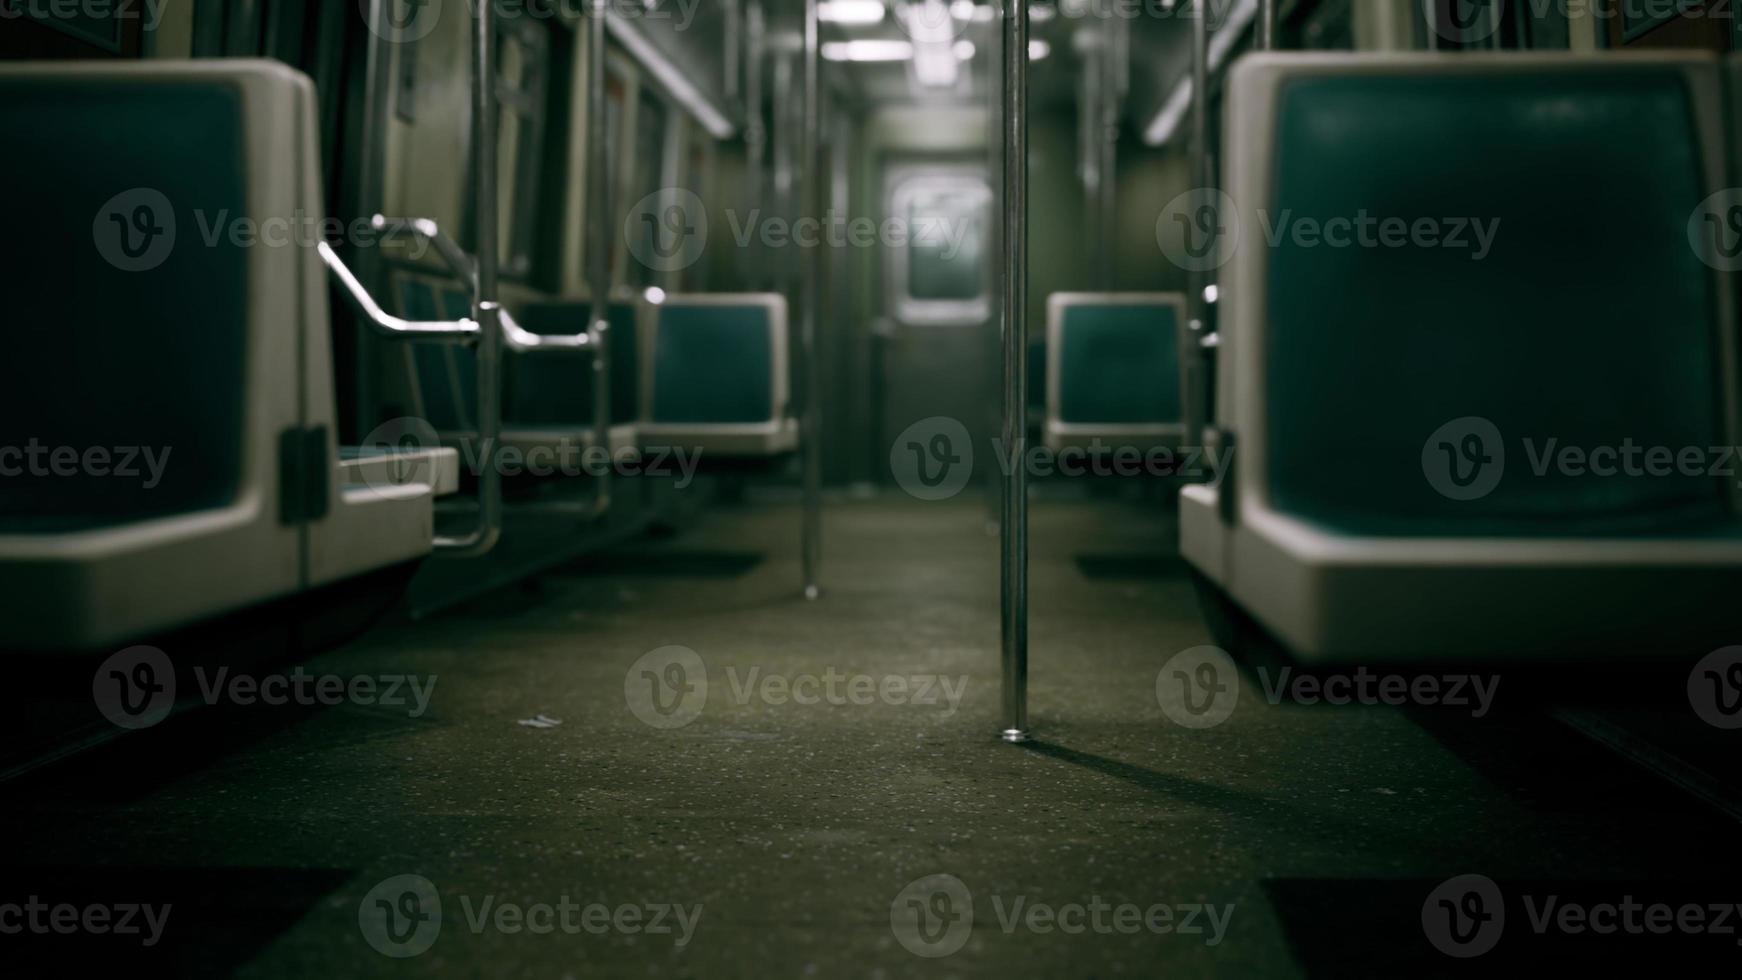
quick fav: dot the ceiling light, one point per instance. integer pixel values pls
(853, 13)
(867, 51)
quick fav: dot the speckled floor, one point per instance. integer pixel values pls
(770, 837)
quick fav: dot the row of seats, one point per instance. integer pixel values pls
(1388, 409)
(716, 383)
(188, 370)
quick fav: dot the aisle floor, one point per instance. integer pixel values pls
(776, 838)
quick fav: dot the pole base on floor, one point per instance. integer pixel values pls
(1013, 735)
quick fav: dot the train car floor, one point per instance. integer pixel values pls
(661, 762)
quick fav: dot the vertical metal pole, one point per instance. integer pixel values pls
(486, 310)
(599, 217)
(755, 136)
(1107, 147)
(810, 173)
(1014, 239)
(1267, 25)
(1204, 180)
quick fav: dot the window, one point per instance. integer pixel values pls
(939, 265)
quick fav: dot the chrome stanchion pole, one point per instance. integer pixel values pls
(1013, 570)
(810, 168)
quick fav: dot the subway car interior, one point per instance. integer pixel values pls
(871, 488)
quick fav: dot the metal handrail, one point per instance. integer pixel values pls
(464, 267)
(385, 323)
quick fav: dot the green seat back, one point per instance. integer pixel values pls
(102, 358)
(1119, 364)
(554, 390)
(437, 370)
(1590, 320)
(713, 364)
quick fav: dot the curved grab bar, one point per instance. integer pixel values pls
(385, 323)
(519, 339)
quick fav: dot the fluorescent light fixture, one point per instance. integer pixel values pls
(852, 13)
(867, 50)
(1040, 13)
(1166, 122)
(675, 83)
(1038, 49)
(935, 65)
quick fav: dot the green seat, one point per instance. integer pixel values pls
(556, 389)
(713, 364)
(101, 356)
(1587, 319)
(715, 375)
(445, 392)
(1113, 375)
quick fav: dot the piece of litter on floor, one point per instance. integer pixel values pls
(541, 721)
